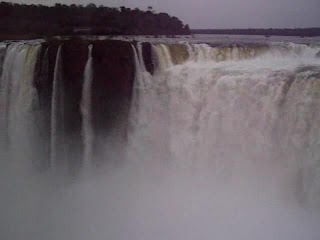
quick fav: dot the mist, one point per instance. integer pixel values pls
(146, 201)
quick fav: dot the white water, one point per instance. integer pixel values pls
(163, 56)
(18, 99)
(223, 146)
(141, 61)
(247, 117)
(139, 83)
(3, 48)
(87, 130)
(56, 108)
(246, 111)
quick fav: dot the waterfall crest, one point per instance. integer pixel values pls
(174, 54)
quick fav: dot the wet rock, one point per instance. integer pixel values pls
(113, 76)
(147, 57)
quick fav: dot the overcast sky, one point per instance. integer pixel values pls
(223, 13)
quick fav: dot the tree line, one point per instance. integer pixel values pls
(302, 32)
(61, 19)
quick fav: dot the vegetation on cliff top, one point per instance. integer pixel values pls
(302, 32)
(60, 19)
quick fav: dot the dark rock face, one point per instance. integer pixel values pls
(43, 83)
(74, 58)
(113, 76)
(147, 56)
(318, 55)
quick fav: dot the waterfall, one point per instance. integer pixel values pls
(204, 53)
(141, 60)
(234, 110)
(2, 106)
(137, 86)
(229, 108)
(56, 108)
(159, 58)
(3, 48)
(167, 55)
(87, 130)
(139, 138)
(148, 89)
(164, 59)
(18, 99)
(222, 142)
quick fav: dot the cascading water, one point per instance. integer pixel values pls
(244, 111)
(138, 84)
(146, 90)
(141, 61)
(3, 48)
(163, 56)
(87, 130)
(18, 99)
(223, 141)
(56, 111)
